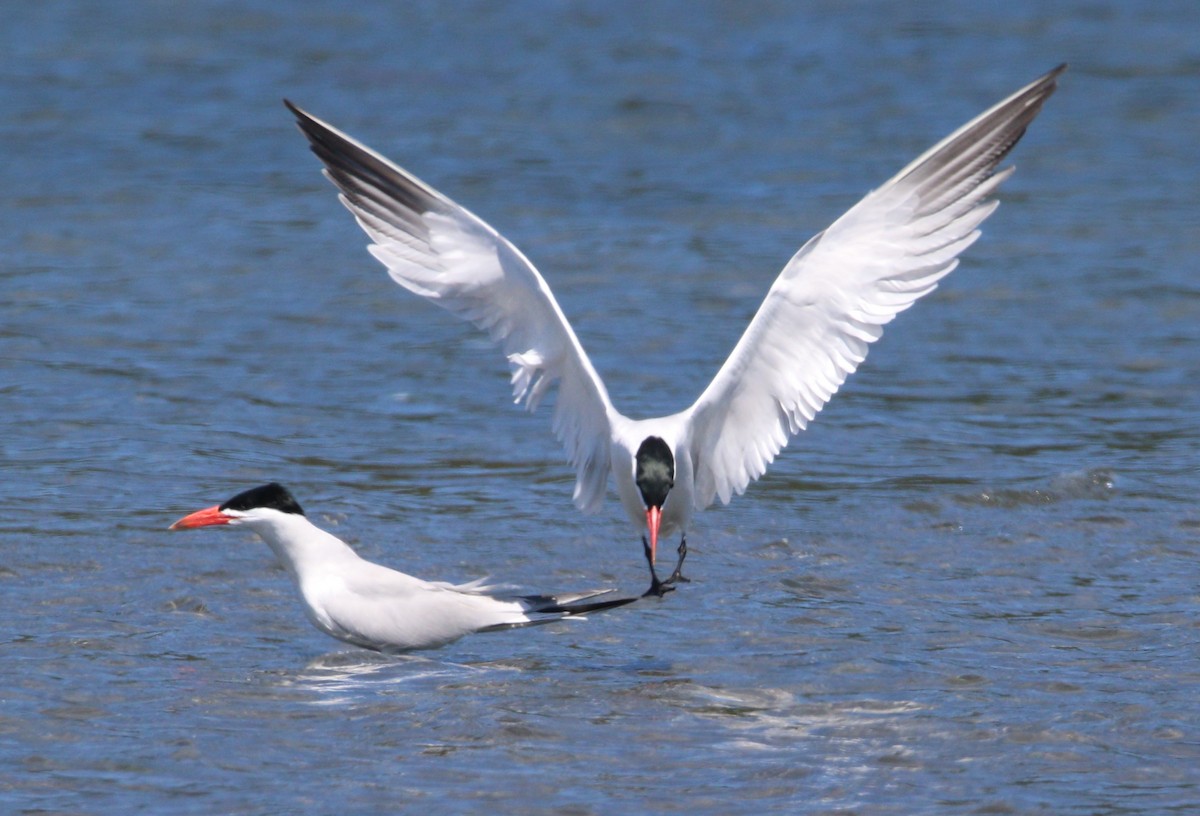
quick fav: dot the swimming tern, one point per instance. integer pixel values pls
(373, 606)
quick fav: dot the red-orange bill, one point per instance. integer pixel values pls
(653, 520)
(201, 518)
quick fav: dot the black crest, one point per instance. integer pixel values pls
(273, 495)
(655, 474)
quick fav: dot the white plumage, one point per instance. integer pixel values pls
(830, 302)
(368, 604)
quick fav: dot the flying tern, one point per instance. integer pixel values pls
(831, 301)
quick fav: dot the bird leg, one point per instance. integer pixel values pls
(677, 576)
(657, 587)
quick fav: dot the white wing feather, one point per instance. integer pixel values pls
(379, 608)
(441, 251)
(836, 294)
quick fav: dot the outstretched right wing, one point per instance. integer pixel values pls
(446, 254)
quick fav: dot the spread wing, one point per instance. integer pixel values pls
(836, 294)
(444, 253)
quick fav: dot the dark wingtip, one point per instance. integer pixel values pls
(579, 606)
(597, 606)
(1049, 80)
(1051, 76)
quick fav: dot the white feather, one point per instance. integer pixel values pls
(830, 302)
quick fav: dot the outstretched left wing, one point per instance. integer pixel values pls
(836, 294)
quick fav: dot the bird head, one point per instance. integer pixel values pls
(654, 474)
(247, 507)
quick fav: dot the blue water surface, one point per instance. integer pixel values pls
(969, 587)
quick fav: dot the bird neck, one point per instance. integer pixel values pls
(300, 545)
